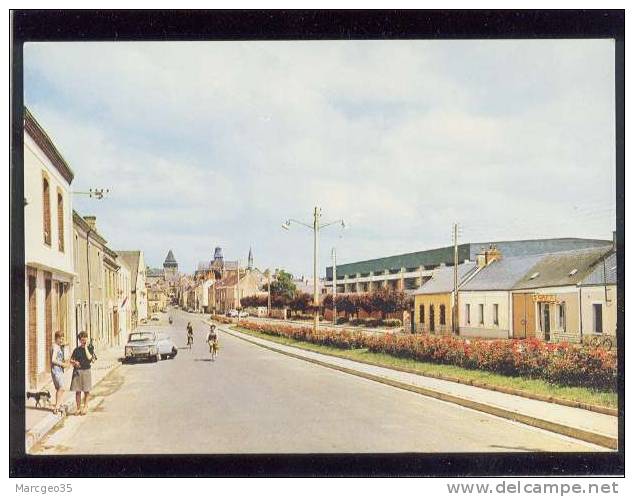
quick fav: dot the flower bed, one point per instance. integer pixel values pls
(560, 363)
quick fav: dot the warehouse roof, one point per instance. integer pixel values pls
(502, 274)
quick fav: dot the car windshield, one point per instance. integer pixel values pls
(138, 337)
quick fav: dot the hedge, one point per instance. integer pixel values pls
(558, 363)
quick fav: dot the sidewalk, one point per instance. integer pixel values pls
(41, 420)
(597, 428)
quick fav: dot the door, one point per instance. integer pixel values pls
(523, 315)
(546, 322)
(48, 321)
(32, 333)
(432, 322)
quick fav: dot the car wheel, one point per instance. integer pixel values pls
(174, 352)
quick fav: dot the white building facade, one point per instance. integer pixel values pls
(48, 246)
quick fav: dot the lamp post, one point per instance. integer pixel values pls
(334, 286)
(315, 227)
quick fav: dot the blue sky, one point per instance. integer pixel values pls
(217, 143)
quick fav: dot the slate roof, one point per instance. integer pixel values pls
(555, 269)
(170, 260)
(502, 274)
(597, 276)
(442, 279)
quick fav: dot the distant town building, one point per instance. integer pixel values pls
(136, 262)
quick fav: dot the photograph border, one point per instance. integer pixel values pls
(215, 25)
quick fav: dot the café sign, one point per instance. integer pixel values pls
(550, 299)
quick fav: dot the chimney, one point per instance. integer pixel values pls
(492, 254)
(481, 259)
(92, 222)
(614, 240)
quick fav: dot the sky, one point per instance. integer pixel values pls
(206, 144)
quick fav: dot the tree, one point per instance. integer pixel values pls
(301, 302)
(388, 301)
(282, 288)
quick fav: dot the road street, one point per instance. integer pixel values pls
(253, 400)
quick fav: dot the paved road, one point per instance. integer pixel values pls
(252, 400)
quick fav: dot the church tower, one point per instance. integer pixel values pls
(250, 263)
(170, 267)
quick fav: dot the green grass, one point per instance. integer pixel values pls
(534, 386)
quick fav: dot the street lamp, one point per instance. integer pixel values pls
(97, 193)
(315, 227)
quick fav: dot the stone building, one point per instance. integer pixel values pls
(136, 262)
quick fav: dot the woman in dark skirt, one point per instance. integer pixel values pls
(81, 359)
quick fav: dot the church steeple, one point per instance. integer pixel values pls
(250, 263)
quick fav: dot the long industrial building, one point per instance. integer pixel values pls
(409, 271)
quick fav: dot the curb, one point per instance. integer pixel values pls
(610, 411)
(41, 429)
(578, 433)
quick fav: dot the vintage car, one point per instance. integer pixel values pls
(151, 345)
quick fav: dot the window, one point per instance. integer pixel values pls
(496, 321)
(46, 198)
(60, 221)
(481, 313)
(421, 311)
(561, 317)
(597, 318)
(468, 313)
(442, 314)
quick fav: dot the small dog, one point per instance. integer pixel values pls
(38, 396)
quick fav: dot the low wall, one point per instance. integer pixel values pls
(493, 333)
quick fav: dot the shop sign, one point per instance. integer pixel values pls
(550, 299)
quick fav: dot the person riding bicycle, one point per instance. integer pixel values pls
(190, 334)
(212, 341)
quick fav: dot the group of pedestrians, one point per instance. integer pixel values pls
(212, 339)
(81, 360)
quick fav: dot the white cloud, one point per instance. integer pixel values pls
(217, 143)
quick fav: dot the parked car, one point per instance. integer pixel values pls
(232, 313)
(149, 345)
(164, 311)
(244, 314)
(155, 317)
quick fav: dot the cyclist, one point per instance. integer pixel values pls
(212, 341)
(190, 335)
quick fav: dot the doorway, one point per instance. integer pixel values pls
(432, 321)
(523, 315)
(546, 322)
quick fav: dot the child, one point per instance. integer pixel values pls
(81, 359)
(58, 363)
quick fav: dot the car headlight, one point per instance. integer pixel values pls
(128, 351)
(152, 350)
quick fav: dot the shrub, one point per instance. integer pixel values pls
(561, 363)
(342, 320)
(371, 322)
(392, 323)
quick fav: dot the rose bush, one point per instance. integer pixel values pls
(559, 363)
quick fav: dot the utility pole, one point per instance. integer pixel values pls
(334, 286)
(454, 317)
(268, 280)
(238, 289)
(316, 215)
